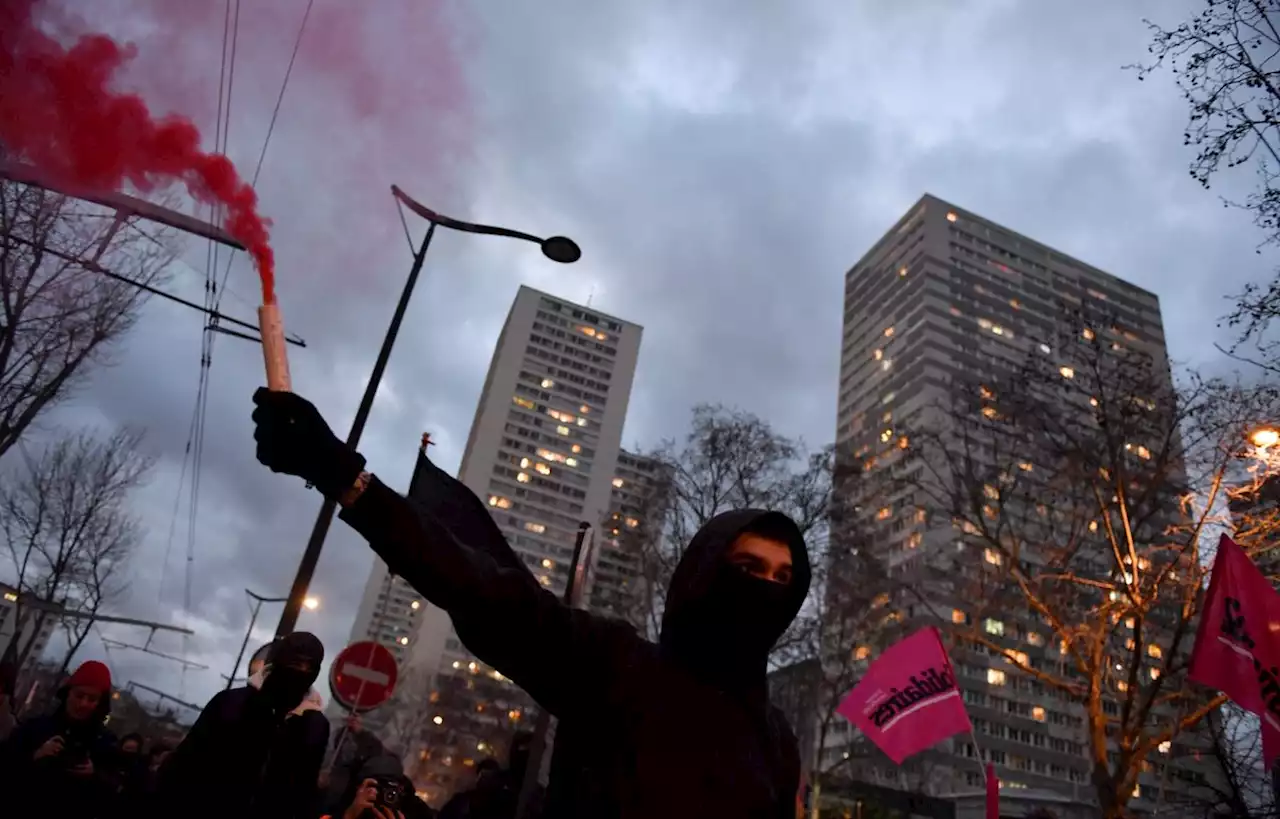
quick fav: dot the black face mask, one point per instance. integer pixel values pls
(285, 687)
(725, 636)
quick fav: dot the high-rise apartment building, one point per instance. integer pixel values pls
(945, 296)
(544, 453)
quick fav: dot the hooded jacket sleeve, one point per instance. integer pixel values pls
(561, 656)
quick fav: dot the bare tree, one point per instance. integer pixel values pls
(1242, 789)
(59, 316)
(1071, 495)
(66, 523)
(728, 460)
(1226, 61)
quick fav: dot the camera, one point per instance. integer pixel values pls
(390, 792)
(75, 752)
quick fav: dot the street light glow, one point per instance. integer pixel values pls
(311, 603)
(1265, 437)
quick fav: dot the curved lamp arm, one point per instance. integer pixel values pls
(557, 248)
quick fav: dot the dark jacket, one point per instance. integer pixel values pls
(241, 759)
(44, 788)
(640, 734)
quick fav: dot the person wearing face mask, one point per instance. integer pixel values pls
(681, 728)
(254, 752)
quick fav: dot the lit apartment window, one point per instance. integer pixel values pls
(992, 556)
(995, 676)
(902, 271)
(1155, 673)
(1153, 650)
(885, 436)
(1037, 713)
(523, 477)
(500, 502)
(438, 720)
(1044, 348)
(957, 616)
(546, 563)
(576, 448)
(542, 469)
(547, 383)
(951, 217)
(1034, 638)
(886, 364)
(904, 442)
(1015, 304)
(913, 542)
(584, 409)
(993, 626)
(877, 354)
(1067, 372)
(1093, 526)
(544, 580)
(415, 605)
(536, 528)
(862, 652)
(404, 641)
(991, 412)
(1088, 334)
(1026, 466)
(1164, 747)
(888, 332)
(523, 402)
(985, 392)
(524, 463)
(632, 523)
(571, 462)
(617, 483)
(984, 323)
(1017, 657)
(990, 491)
(884, 513)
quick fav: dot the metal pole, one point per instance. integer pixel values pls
(257, 607)
(543, 726)
(311, 556)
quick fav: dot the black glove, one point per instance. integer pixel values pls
(293, 438)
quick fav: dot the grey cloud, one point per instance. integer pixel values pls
(722, 164)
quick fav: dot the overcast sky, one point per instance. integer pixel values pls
(721, 163)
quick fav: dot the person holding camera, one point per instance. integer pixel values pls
(64, 764)
(380, 790)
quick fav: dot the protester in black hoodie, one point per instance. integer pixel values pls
(249, 755)
(64, 764)
(679, 729)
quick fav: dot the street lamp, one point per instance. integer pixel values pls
(309, 603)
(556, 248)
(1264, 437)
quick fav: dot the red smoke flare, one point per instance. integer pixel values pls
(58, 112)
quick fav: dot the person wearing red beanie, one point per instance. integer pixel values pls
(66, 759)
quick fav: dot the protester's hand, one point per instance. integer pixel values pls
(293, 438)
(83, 769)
(51, 747)
(366, 795)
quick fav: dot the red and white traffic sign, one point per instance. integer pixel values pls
(363, 676)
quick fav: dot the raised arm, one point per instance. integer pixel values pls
(501, 613)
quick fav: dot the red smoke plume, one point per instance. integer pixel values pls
(58, 111)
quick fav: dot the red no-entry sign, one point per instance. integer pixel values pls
(363, 676)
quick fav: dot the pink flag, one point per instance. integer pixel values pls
(1237, 649)
(908, 700)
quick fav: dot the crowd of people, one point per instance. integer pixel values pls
(261, 750)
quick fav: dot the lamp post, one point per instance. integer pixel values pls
(556, 248)
(309, 603)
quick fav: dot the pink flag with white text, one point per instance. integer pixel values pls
(908, 700)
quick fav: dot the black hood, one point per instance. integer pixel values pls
(687, 634)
